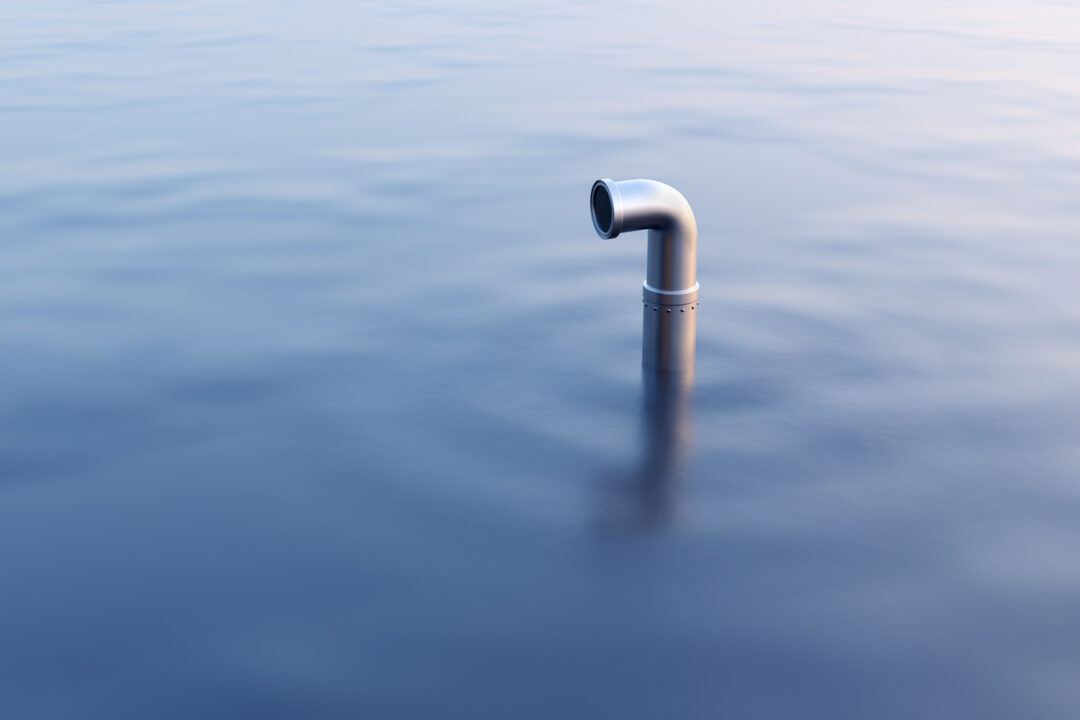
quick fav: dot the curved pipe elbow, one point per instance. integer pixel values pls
(629, 205)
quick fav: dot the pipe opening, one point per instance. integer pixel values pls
(603, 213)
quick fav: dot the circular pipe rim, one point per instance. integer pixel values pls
(609, 187)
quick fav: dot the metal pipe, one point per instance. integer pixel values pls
(670, 291)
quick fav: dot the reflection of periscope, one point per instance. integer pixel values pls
(646, 497)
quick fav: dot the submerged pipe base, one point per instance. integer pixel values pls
(669, 334)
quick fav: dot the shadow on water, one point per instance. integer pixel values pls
(646, 496)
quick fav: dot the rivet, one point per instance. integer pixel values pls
(669, 309)
(682, 309)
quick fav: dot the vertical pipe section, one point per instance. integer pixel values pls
(670, 290)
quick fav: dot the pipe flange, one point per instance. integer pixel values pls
(670, 297)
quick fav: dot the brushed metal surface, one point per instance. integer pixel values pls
(670, 290)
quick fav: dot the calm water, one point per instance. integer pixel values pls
(321, 398)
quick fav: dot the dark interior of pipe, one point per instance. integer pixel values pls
(601, 207)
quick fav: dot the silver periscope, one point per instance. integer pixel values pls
(670, 291)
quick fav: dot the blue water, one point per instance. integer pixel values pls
(322, 399)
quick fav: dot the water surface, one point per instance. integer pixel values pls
(321, 398)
